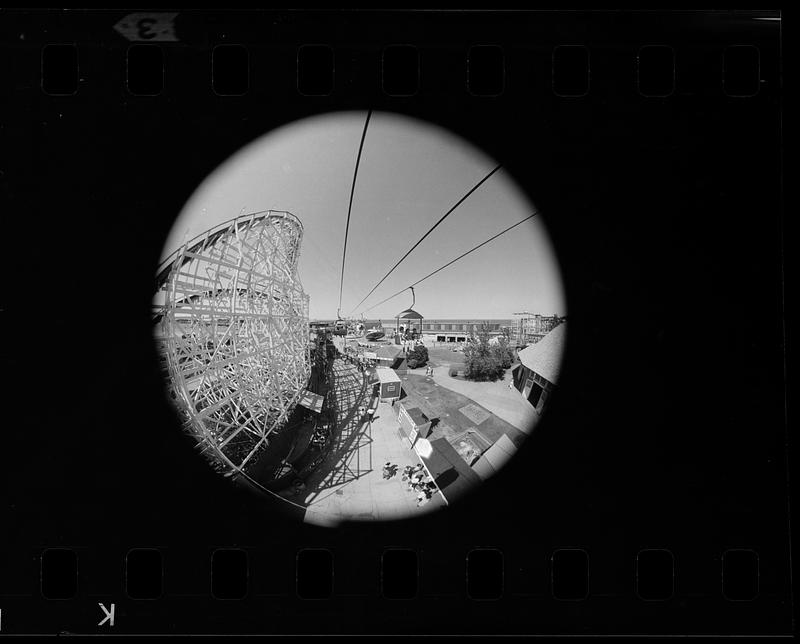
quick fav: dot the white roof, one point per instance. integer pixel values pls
(495, 457)
(544, 357)
(385, 374)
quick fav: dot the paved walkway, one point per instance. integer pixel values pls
(354, 488)
(504, 402)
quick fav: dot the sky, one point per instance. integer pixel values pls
(411, 173)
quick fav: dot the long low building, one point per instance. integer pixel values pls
(471, 325)
(458, 330)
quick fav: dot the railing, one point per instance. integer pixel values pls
(211, 234)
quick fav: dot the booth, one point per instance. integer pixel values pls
(389, 384)
(414, 422)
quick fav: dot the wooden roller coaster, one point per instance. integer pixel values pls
(231, 321)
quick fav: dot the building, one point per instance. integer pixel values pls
(390, 386)
(529, 328)
(494, 458)
(537, 373)
(458, 330)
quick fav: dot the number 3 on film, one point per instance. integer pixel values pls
(148, 27)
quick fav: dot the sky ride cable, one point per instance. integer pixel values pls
(350, 208)
(458, 203)
(451, 262)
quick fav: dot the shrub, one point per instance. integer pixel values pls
(417, 357)
(483, 368)
(456, 370)
(483, 361)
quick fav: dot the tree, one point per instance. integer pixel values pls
(503, 352)
(481, 360)
(417, 357)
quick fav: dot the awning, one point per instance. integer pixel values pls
(450, 472)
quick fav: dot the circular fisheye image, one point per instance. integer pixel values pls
(362, 314)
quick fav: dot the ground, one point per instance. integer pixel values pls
(349, 485)
(457, 414)
(498, 397)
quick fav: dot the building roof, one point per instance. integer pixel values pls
(495, 457)
(451, 473)
(388, 352)
(544, 357)
(385, 374)
(415, 414)
(409, 314)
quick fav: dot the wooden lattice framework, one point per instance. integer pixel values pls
(232, 325)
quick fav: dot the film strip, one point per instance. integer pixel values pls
(651, 497)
